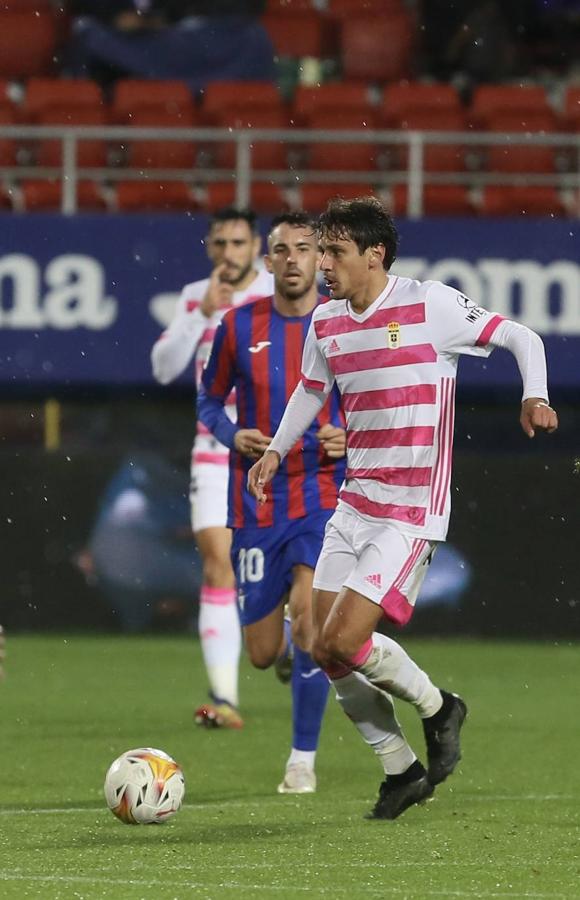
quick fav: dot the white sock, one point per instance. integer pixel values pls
(393, 670)
(221, 641)
(372, 713)
(302, 756)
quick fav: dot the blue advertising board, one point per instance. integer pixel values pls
(82, 299)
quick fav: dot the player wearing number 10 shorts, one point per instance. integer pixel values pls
(257, 350)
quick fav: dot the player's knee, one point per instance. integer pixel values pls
(261, 657)
(217, 573)
(335, 646)
(320, 654)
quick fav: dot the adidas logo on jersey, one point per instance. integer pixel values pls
(333, 347)
(375, 580)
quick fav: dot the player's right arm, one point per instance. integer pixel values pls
(217, 381)
(175, 348)
(304, 405)
(173, 351)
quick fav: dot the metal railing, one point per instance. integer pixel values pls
(414, 175)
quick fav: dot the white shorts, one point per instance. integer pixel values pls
(208, 495)
(375, 560)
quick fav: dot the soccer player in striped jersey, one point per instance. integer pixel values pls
(233, 246)
(391, 345)
(257, 350)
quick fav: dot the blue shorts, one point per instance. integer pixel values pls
(263, 558)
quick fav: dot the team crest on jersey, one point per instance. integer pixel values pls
(393, 335)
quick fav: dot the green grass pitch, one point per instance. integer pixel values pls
(505, 825)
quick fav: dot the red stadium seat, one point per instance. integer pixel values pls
(132, 94)
(316, 196)
(519, 158)
(244, 96)
(348, 9)
(572, 108)
(91, 152)
(26, 6)
(6, 198)
(45, 196)
(400, 100)
(44, 94)
(490, 100)
(343, 156)
(162, 154)
(518, 201)
(338, 96)
(5, 98)
(265, 154)
(437, 157)
(264, 197)
(150, 196)
(8, 146)
(28, 42)
(438, 200)
(376, 50)
(300, 34)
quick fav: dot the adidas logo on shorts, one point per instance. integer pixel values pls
(375, 580)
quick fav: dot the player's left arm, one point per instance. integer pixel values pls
(458, 325)
(528, 349)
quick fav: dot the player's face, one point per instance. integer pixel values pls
(234, 244)
(292, 259)
(345, 269)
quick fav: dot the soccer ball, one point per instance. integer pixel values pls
(144, 786)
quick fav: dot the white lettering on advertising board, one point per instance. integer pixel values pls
(71, 292)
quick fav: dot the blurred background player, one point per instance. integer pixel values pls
(257, 351)
(233, 247)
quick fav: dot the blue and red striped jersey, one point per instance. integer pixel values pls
(258, 352)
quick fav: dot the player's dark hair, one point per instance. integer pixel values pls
(231, 214)
(297, 219)
(363, 220)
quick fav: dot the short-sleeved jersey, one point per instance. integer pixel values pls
(258, 352)
(395, 365)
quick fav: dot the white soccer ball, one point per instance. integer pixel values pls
(144, 786)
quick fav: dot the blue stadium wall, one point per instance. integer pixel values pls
(83, 299)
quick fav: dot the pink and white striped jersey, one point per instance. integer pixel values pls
(395, 365)
(189, 337)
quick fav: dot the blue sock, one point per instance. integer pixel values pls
(309, 692)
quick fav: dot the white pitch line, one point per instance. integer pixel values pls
(426, 864)
(248, 804)
(237, 886)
